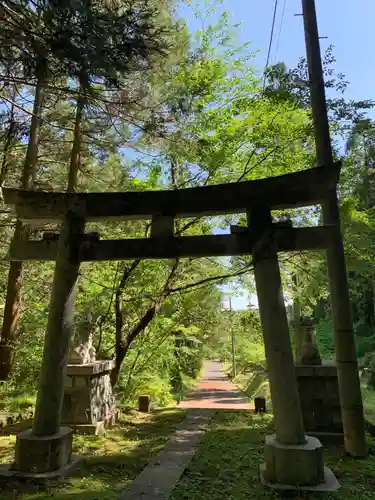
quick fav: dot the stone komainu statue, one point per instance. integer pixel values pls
(308, 352)
(82, 350)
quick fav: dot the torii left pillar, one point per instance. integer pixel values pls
(292, 459)
(47, 447)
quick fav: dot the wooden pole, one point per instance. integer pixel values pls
(297, 319)
(343, 334)
(47, 417)
(280, 364)
(234, 368)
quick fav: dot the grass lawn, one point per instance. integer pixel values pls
(111, 462)
(226, 466)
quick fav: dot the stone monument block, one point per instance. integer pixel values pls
(89, 404)
(144, 404)
(260, 405)
(319, 396)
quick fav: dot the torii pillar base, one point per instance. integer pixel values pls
(296, 467)
(42, 457)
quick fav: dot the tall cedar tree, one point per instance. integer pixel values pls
(90, 41)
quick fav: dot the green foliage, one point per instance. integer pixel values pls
(324, 338)
(246, 329)
(169, 109)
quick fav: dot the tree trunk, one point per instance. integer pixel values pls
(9, 140)
(75, 157)
(121, 352)
(15, 276)
(174, 173)
(123, 342)
(122, 347)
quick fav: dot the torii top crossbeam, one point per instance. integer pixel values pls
(305, 188)
(309, 187)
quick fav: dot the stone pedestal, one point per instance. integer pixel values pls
(296, 466)
(320, 401)
(89, 404)
(41, 454)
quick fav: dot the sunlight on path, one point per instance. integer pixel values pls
(214, 390)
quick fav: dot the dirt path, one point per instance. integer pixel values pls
(215, 391)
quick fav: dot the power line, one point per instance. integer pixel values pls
(270, 44)
(280, 30)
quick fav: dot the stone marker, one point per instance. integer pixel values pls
(260, 405)
(144, 404)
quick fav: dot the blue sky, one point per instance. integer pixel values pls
(348, 24)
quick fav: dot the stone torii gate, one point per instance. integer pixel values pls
(291, 457)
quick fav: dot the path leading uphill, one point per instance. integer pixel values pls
(215, 391)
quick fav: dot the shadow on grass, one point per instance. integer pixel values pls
(226, 465)
(109, 463)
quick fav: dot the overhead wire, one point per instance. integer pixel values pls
(270, 44)
(280, 30)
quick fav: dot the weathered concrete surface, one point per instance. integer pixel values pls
(329, 484)
(215, 391)
(158, 479)
(41, 454)
(296, 466)
(279, 356)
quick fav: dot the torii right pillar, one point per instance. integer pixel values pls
(292, 459)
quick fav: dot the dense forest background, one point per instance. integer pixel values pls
(119, 95)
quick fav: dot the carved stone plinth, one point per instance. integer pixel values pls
(89, 404)
(296, 466)
(319, 397)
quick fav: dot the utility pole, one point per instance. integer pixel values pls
(297, 318)
(343, 334)
(234, 370)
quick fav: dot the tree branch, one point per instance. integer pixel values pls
(211, 279)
